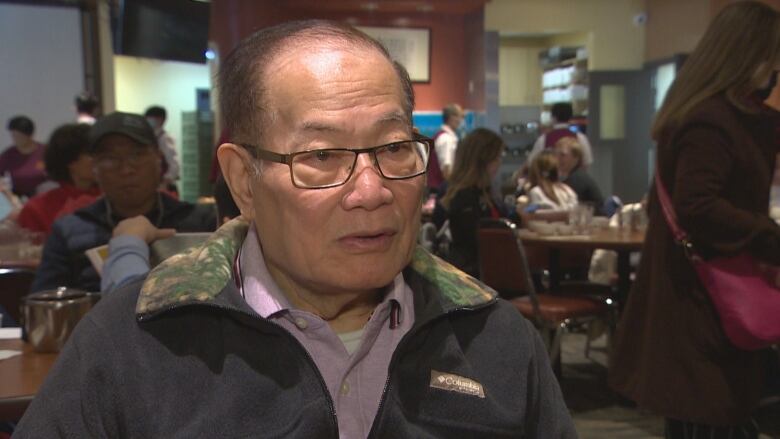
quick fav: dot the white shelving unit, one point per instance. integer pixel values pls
(566, 81)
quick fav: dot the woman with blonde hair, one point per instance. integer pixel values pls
(716, 153)
(547, 191)
(468, 197)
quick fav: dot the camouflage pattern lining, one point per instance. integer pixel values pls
(457, 287)
(199, 274)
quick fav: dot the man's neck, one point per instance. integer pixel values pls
(27, 147)
(83, 183)
(563, 175)
(125, 211)
(344, 312)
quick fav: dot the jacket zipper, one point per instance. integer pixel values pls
(401, 344)
(285, 333)
(393, 359)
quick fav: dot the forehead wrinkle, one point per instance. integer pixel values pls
(372, 87)
(317, 126)
(393, 117)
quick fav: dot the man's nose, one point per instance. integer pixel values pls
(128, 166)
(367, 189)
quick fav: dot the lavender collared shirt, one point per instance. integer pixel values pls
(356, 381)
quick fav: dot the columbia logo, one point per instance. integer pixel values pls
(456, 383)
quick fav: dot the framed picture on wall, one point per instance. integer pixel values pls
(409, 46)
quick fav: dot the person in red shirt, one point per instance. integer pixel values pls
(68, 163)
(23, 161)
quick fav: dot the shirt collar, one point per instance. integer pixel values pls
(448, 129)
(263, 294)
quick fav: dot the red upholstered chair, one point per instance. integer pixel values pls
(503, 266)
(14, 284)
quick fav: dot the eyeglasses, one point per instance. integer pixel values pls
(113, 162)
(331, 167)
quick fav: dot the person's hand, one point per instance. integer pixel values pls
(141, 228)
(520, 204)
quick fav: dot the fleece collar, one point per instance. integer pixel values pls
(200, 274)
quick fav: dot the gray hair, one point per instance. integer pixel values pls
(241, 79)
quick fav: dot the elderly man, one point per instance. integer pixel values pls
(315, 314)
(127, 168)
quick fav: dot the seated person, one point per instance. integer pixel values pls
(468, 197)
(10, 206)
(68, 163)
(568, 151)
(23, 160)
(547, 198)
(315, 314)
(127, 169)
(128, 249)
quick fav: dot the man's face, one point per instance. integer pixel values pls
(353, 237)
(456, 119)
(156, 122)
(566, 160)
(82, 169)
(126, 171)
(19, 138)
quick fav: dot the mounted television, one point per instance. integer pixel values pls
(176, 30)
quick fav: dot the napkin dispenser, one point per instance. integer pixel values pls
(48, 317)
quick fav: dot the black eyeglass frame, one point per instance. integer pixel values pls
(287, 159)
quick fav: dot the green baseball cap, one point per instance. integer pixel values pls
(131, 125)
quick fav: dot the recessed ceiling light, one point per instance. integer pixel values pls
(370, 6)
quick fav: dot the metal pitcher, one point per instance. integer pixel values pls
(48, 317)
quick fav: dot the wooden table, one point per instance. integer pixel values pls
(20, 378)
(30, 264)
(622, 242)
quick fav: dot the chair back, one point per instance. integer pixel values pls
(502, 262)
(15, 283)
(570, 260)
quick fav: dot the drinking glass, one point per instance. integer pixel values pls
(586, 216)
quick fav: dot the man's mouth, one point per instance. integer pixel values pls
(368, 241)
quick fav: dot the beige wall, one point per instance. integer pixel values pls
(142, 82)
(674, 26)
(614, 42)
(519, 72)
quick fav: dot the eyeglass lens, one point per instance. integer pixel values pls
(327, 167)
(112, 161)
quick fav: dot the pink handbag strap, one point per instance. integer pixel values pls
(671, 217)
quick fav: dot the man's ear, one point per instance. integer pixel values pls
(235, 163)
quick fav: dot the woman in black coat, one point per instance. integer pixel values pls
(716, 152)
(468, 197)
